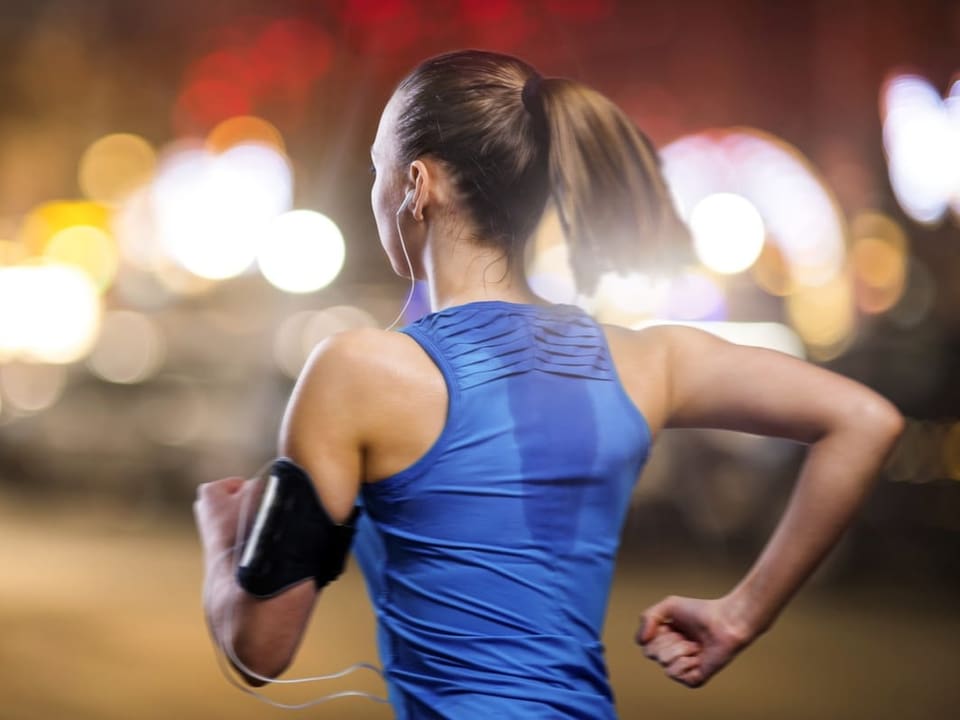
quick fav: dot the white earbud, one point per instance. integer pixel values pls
(406, 201)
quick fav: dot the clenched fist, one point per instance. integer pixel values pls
(692, 639)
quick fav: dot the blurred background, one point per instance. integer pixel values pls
(184, 214)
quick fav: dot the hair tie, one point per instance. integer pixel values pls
(531, 94)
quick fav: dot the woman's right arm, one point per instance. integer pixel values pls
(850, 429)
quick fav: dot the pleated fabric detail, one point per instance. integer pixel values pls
(483, 346)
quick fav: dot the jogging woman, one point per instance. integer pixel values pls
(493, 445)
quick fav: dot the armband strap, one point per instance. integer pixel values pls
(292, 538)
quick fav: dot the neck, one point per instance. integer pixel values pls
(462, 272)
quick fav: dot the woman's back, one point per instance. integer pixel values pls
(489, 559)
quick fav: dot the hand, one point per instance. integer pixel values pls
(217, 512)
(691, 638)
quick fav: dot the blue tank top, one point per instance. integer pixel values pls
(489, 560)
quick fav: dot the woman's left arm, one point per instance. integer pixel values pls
(850, 430)
(322, 435)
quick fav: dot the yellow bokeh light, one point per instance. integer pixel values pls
(876, 224)
(881, 271)
(772, 272)
(114, 166)
(45, 221)
(879, 261)
(824, 317)
(244, 129)
(88, 248)
(11, 252)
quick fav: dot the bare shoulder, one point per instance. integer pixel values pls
(385, 388)
(363, 357)
(712, 382)
(659, 364)
(641, 360)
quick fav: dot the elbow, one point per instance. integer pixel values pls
(260, 662)
(888, 422)
(878, 418)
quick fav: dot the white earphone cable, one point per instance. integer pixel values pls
(228, 650)
(227, 555)
(406, 256)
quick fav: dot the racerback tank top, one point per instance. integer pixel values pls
(489, 560)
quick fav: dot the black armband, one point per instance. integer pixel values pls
(292, 538)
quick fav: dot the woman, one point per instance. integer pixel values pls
(494, 443)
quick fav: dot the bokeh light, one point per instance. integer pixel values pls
(694, 296)
(51, 313)
(922, 141)
(130, 348)
(550, 276)
(771, 271)
(798, 210)
(31, 388)
(770, 335)
(11, 252)
(86, 248)
(133, 224)
(212, 211)
(46, 220)
(548, 261)
(301, 251)
(727, 232)
(244, 129)
(114, 166)
(628, 298)
(298, 335)
(824, 317)
(879, 261)
(264, 65)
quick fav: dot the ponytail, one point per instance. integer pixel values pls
(513, 140)
(604, 176)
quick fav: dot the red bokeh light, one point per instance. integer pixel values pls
(275, 66)
(207, 101)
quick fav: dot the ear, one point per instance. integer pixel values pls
(420, 182)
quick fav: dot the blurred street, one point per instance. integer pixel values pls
(100, 620)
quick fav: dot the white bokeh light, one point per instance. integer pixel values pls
(797, 209)
(212, 211)
(30, 388)
(921, 134)
(302, 251)
(129, 350)
(727, 232)
(51, 313)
